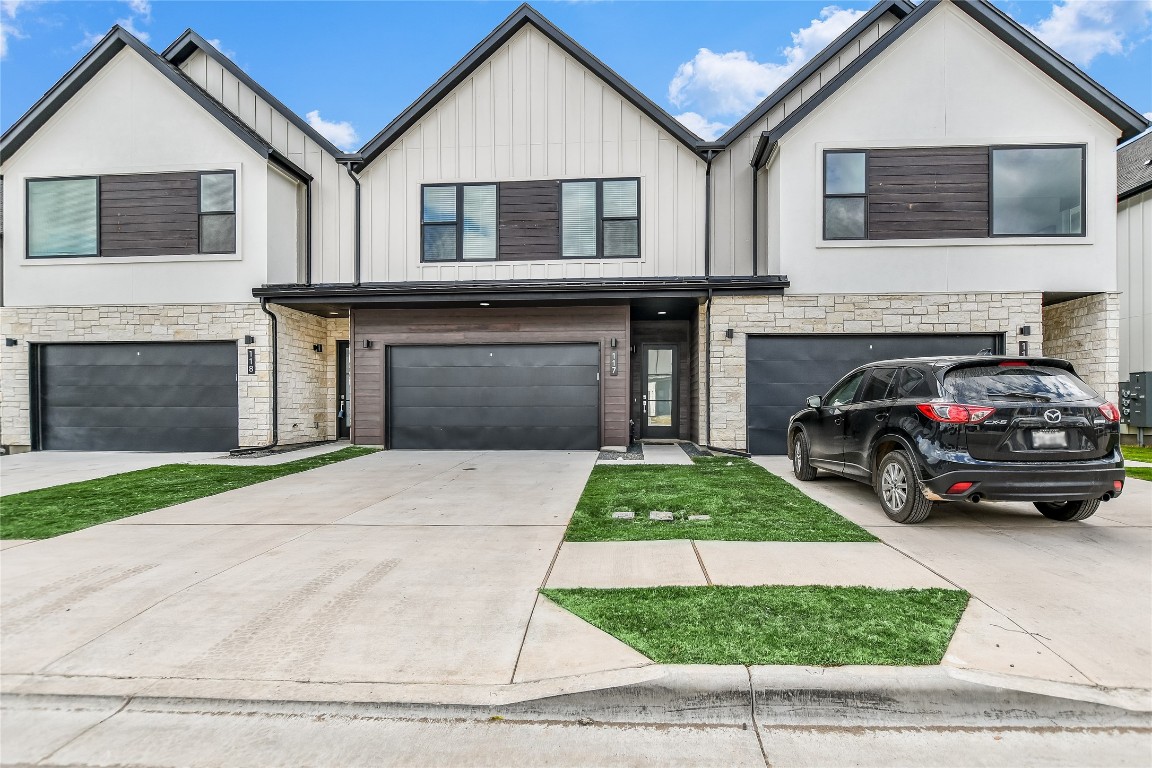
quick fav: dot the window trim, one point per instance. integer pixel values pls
(200, 213)
(838, 195)
(599, 181)
(459, 223)
(28, 218)
(1083, 187)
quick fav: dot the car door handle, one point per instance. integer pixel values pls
(881, 416)
(838, 420)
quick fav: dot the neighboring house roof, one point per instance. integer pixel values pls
(523, 15)
(190, 42)
(103, 52)
(1129, 121)
(1134, 167)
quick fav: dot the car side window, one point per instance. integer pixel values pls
(913, 383)
(877, 385)
(845, 391)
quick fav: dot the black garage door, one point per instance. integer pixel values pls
(137, 397)
(495, 397)
(784, 370)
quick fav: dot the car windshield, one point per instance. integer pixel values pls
(1015, 383)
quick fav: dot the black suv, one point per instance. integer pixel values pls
(965, 429)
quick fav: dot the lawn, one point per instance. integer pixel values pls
(744, 502)
(66, 508)
(1137, 453)
(1140, 473)
(817, 626)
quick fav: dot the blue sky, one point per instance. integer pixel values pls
(350, 67)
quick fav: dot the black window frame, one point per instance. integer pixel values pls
(201, 214)
(827, 399)
(1083, 186)
(600, 218)
(837, 195)
(869, 376)
(28, 218)
(906, 372)
(459, 223)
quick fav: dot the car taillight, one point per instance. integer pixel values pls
(1013, 364)
(951, 413)
(959, 487)
(1111, 412)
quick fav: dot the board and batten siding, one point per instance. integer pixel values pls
(150, 214)
(541, 325)
(529, 113)
(732, 171)
(928, 193)
(333, 194)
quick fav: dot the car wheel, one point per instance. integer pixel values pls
(1068, 511)
(801, 466)
(899, 490)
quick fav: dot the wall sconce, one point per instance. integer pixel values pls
(367, 343)
(728, 334)
(249, 339)
(317, 347)
(10, 342)
(613, 343)
(1023, 349)
(1026, 330)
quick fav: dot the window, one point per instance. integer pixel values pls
(843, 393)
(845, 190)
(1037, 191)
(878, 384)
(218, 212)
(450, 236)
(600, 219)
(913, 383)
(63, 217)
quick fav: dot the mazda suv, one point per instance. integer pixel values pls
(979, 428)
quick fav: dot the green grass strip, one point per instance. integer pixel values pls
(1140, 473)
(817, 626)
(1137, 453)
(65, 508)
(744, 502)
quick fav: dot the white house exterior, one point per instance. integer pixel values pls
(534, 254)
(1134, 261)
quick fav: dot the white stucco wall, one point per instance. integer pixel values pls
(532, 112)
(130, 119)
(946, 82)
(1134, 279)
(285, 229)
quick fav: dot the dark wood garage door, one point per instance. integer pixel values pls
(495, 397)
(137, 397)
(784, 370)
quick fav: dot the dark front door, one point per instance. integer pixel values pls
(177, 396)
(343, 388)
(660, 388)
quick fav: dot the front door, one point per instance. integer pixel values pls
(660, 413)
(343, 388)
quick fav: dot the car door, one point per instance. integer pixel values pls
(865, 417)
(826, 430)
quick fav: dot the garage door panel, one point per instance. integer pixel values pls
(132, 396)
(783, 370)
(149, 354)
(495, 355)
(145, 376)
(473, 397)
(135, 439)
(148, 417)
(484, 438)
(509, 416)
(492, 376)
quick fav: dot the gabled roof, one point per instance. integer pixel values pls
(898, 8)
(523, 15)
(190, 42)
(1129, 121)
(1134, 167)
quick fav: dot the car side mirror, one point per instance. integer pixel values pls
(814, 401)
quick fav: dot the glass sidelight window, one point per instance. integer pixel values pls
(661, 393)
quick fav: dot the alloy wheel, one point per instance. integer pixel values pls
(894, 486)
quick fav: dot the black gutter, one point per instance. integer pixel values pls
(1136, 190)
(710, 152)
(275, 385)
(755, 223)
(348, 161)
(708, 369)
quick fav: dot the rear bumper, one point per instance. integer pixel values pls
(1032, 483)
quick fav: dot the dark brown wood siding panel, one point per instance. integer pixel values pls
(152, 214)
(529, 220)
(663, 332)
(926, 193)
(537, 325)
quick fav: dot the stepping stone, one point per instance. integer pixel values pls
(623, 515)
(665, 517)
(699, 517)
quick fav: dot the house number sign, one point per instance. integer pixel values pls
(251, 361)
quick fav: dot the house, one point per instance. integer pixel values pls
(536, 255)
(1134, 273)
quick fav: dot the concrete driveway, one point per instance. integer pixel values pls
(1068, 602)
(399, 567)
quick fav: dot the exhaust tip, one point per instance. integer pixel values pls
(974, 498)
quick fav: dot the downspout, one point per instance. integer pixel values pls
(755, 226)
(356, 225)
(275, 387)
(308, 233)
(708, 157)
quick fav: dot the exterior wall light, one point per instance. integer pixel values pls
(10, 342)
(728, 334)
(249, 339)
(317, 347)
(367, 343)
(1026, 330)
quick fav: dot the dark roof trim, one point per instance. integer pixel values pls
(521, 289)
(190, 42)
(898, 8)
(280, 160)
(1137, 190)
(79, 76)
(523, 15)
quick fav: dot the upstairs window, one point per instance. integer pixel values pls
(63, 217)
(600, 219)
(845, 195)
(218, 212)
(459, 222)
(1038, 191)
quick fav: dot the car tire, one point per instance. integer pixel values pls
(1068, 511)
(801, 465)
(898, 487)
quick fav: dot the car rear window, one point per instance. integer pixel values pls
(1015, 383)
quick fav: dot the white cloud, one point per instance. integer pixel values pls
(8, 30)
(1148, 116)
(702, 126)
(215, 43)
(342, 134)
(141, 8)
(732, 83)
(1081, 30)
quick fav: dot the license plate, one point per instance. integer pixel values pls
(1049, 438)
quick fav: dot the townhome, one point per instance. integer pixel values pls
(535, 255)
(1134, 275)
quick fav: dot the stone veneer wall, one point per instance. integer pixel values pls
(844, 314)
(1086, 333)
(307, 377)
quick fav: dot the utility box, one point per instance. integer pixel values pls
(1134, 409)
